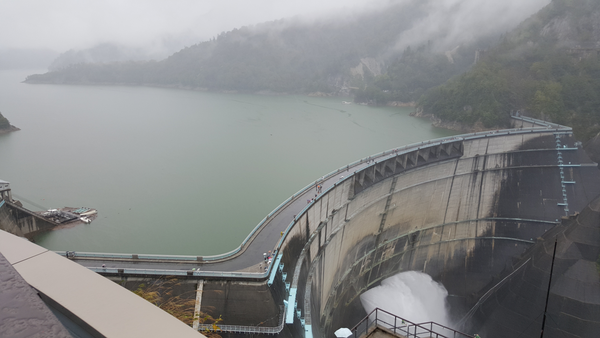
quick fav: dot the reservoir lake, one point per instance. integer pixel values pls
(178, 172)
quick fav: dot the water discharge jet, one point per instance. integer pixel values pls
(410, 294)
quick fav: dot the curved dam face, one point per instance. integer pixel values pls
(569, 253)
(462, 211)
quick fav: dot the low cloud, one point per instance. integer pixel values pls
(73, 24)
(452, 22)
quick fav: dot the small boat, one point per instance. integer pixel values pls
(67, 214)
(89, 213)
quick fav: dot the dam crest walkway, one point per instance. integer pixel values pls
(247, 261)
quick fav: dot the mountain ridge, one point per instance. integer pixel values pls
(284, 56)
(547, 68)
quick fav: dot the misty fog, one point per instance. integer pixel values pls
(412, 295)
(69, 24)
(153, 29)
(451, 22)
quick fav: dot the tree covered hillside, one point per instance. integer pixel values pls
(410, 73)
(287, 56)
(366, 54)
(549, 67)
(281, 56)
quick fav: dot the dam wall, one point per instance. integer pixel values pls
(22, 222)
(462, 211)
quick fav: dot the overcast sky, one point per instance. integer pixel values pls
(64, 24)
(77, 24)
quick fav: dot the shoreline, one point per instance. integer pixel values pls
(451, 125)
(436, 122)
(182, 87)
(9, 130)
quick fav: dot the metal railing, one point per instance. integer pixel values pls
(167, 272)
(404, 327)
(246, 328)
(540, 123)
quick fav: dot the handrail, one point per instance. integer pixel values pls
(247, 328)
(403, 326)
(167, 272)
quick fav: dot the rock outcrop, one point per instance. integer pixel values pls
(5, 126)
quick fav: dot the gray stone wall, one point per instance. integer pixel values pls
(22, 222)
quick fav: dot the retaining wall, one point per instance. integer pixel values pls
(22, 222)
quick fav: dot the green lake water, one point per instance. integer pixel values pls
(178, 171)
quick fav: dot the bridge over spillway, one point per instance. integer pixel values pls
(461, 209)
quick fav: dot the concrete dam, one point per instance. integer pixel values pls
(463, 209)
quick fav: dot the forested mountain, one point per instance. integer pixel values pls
(107, 52)
(5, 126)
(102, 53)
(282, 56)
(410, 73)
(334, 56)
(548, 68)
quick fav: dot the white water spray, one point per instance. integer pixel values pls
(411, 295)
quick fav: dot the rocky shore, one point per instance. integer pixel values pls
(401, 104)
(451, 125)
(8, 130)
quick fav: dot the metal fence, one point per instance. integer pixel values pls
(246, 328)
(401, 326)
(167, 272)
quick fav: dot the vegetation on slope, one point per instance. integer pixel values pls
(410, 73)
(291, 55)
(364, 55)
(160, 292)
(4, 124)
(547, 68)
(279, 56)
